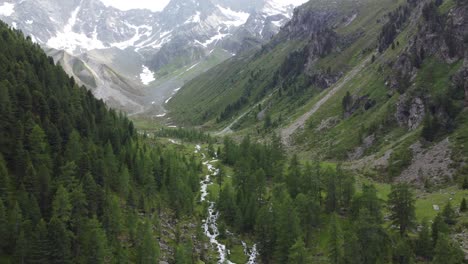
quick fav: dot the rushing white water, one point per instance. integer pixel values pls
(251, 253)
(210, 224)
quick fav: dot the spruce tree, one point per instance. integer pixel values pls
(438, 226)
(424, 244)
(447, 252)
(298, 253)
(449, 214)
(3, 226)
(59, 241)
(336, 242)
(61, 205)
(147, 247)
(401, 204)
(463, 206)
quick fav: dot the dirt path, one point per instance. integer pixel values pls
(228, 129)
(288, 131)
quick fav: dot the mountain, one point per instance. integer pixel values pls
(99, 39)
(73, 172)
(379, 84)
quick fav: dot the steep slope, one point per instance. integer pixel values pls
(296, 55)
(156, 44)
(77, 183)
(384, 80)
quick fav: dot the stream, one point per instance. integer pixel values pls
(210, 224)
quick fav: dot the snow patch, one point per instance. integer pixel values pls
(7, 9)
(195, 65)
(194, 19)
(69, 40)
(235, 19)
(29, 22)
(147, 76)
(168, 99)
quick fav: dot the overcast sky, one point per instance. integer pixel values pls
(158, 5)
(154, 5)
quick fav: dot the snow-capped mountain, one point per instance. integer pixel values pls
(181, 35)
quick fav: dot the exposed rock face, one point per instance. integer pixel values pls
(431, 165)
(404, 73)
(358, 102)
(410, 112)
(443, 36)
(359, 151)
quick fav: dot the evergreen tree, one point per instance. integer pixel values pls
(293, 177)
(61, 206)
(95, 248)
(59, 241)
(401, 205)
(336, 242)
(463, 206)
(3, 226)
(21, 248)
(447, 252)
(403, 253)
(308, 211)
(298, 253)
(449, 214)
(424, 244)
(368, 201)
(438, 226)
(40, 244)
(287, 225)
(147, 247)
(266, 239)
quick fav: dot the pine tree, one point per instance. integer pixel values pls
(21, 248)
(438, 226)
(369, 201)
(40, 244)
(112, 218)
(266, 239)
(308, 211)
(147, 247)
(287, 225)
(401, 204)
(331, 203)
(336, 242)
(293, 177)
(424, 244)
(352, 249)
(60, 241)
(3, 227)
(5, 186)
(403, 253)
(463, 206)
(298, 253)
(95, 248)
(447, 252)
(449, 214)
(374, 242)
(61, 205)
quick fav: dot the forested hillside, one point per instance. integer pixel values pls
(381, 84)
(319, 213)
(77, 184)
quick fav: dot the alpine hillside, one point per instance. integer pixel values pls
(119, 54)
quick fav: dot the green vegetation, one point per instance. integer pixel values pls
(78, 185)
(306, 210)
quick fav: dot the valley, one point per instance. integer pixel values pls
(220, 131)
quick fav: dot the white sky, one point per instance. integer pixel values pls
(154, 5)
(158, 5)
